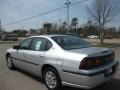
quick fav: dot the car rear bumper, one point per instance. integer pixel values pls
(89, 80)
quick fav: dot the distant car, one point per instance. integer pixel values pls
(93, 37)
(63, 60)
(1, 35)
(73, 34)
(108, 37)
(9, 37)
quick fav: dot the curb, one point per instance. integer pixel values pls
(115, 46)
(6, 42)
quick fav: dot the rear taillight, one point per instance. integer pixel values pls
(97, 62)
(94, 62)
(87, 63)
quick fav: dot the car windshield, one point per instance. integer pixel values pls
(71, 42)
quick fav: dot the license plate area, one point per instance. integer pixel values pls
(108, 72)
(111, 70)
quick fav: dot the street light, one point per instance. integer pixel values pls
(68, 5)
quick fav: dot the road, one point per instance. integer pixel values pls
(20, 80)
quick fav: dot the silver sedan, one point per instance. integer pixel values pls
(63, 60)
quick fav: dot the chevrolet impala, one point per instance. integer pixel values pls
(63, 60)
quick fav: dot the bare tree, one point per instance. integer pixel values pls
(54, 27)
(74, 23)
(104, 12)
(47, 27)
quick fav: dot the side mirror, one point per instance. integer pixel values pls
(16, 47)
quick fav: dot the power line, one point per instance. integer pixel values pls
(29, 18)
(45, 13)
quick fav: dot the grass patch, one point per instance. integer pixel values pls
(108, 45)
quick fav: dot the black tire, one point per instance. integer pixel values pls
(58, 80)
(9, 62)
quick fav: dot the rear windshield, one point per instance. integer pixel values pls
(71, 42)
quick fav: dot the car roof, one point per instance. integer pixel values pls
(49, 36)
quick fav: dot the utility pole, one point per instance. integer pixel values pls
(68, 5)
(22, 28)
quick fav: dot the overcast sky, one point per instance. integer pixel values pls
(13, 10)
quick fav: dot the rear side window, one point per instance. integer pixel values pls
(40, 44)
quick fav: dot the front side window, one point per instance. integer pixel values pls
(71, 42)
(25, 44)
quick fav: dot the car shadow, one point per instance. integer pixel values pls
(113, 84)
(38, 79)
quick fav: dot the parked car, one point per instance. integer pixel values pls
(9, 37)
(108, 37)
(63, 60)
(73, 34)
(0, 36)
(93, 37)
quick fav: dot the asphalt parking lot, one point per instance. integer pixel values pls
(20, 80)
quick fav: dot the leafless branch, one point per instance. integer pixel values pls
(103, 12)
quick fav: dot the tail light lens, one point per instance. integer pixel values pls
(87, 63)
(97, 62)
(94, 62)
